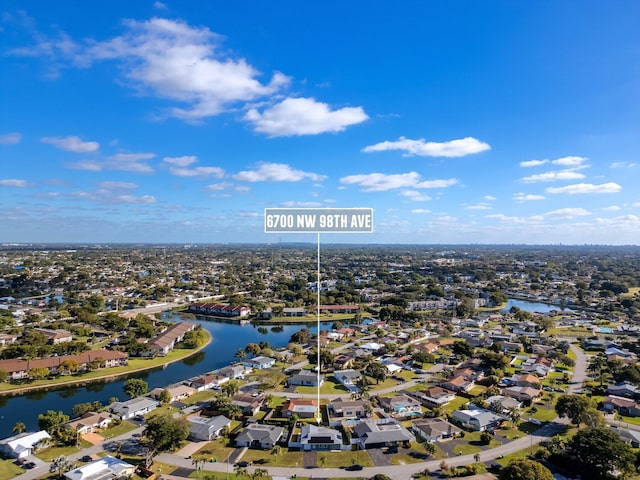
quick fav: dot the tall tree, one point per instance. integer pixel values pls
(18, 428)
(525, 469)
(576, 407)
(135, 387)
(166, 432)
(601, 454)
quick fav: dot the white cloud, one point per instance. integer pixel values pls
(419, 211)
(533, 163)
(479, 206)
(581, 188)
(453, 148)
(623, 165)
(10, 138)
(145, 199)
(524, 197)
(159, 5)
(72, 144)
(570, 161)
(130, 162)
(118, 185)
(88, 165)
(276, 172)
(636, 205)
(611, 208)
(168, 59)
(178, 167)
(553, 176)
(415, 195)
(491, 198)
(216, 187)
(13, 182)
(378, 182)
(303, 116)
(292, 204)
(567, 213)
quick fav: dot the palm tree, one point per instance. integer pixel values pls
(514, 415)
(18, 428)
(260, 473)
(240, 353)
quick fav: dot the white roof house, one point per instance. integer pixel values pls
(21, 445)
(105, 468)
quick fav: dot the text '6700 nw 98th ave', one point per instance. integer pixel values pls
(337, 220)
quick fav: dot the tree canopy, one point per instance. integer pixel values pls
(600, 454)
(135, 387)
(525, 469)
(166, 432)
(576, 407)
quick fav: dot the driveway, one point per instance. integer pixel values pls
(379, 457)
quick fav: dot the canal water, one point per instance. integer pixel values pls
(227, 338)
(532, 306)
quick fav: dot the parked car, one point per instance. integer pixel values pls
(87, 458)
(29, 465)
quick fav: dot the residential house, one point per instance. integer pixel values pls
(7, 339)
(234, 371)
(522, 394)
(300, 407)
(502, 403)
(164, 342)
(435, 429)
(380, 433)
(314, 438)
(23, 444)
(259, 363)
(461, 383)
(207, 428)
(631, 437)
(294, 312)
(176, 392)
(527, 380)
(56, 336)
(249, 404)
(305, 378)
(89, 422)
(104, 468)
(338, 308)
(135, 406)
(477, 419)
(220, 309)
(207, 381)
(257, 435)
(17, 369)
(343, 361)
(400, 406)
(348, 378)
(340, 410)
(434, 396)
(622, 389)
(622, 405)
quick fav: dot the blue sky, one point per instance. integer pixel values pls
(457, 121)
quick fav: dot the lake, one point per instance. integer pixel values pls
(227, 338)
(532, 306)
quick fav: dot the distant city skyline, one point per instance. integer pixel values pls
(456, 122)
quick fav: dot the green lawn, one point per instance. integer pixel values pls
(216, 449)
(455, 404)
(198, 397)
(343, 459)
(53, 452)
(117, 430)
(329, 386)
(8, 469)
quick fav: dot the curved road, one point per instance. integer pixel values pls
(397, 472)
